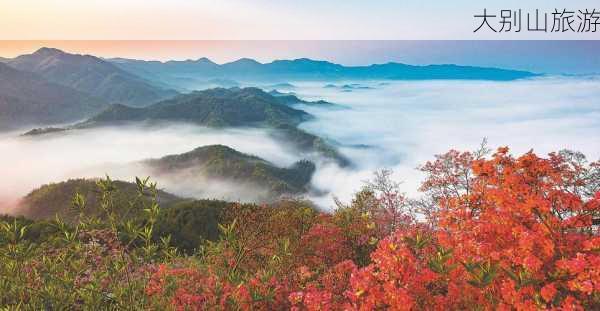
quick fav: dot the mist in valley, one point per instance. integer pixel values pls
(395, 125)
(117, 152)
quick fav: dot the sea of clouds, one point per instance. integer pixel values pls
(408, 122)
(394, 125)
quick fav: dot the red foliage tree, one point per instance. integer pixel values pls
(323, 246)
(511, 233)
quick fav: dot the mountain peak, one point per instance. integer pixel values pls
(245, 61)
(45, 51)
(308, 60)
(204, 60)
(224, 150)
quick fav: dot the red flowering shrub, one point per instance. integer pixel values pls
(322, 246)
(409, 270)
(263, 292)
(190, 289)
(329, 291)
(512, 233)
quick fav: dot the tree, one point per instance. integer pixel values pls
(511, 233)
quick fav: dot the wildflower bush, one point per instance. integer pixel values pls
(491, 232)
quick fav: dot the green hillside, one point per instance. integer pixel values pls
(224, 163)
(56, 198)
(309, 143)
(218, 107)
(91, 75)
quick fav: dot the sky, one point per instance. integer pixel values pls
(341, 31)
(265, 19)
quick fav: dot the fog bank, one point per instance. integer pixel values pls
(397, 125)
(29, 162)
(408, 122)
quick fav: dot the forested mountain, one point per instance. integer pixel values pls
(91, 75)
(306, 142)
(27, 98)
(215, 107)
(223, 163)
(234, 107)
(56, 198)
(215, 162)
(292, 99)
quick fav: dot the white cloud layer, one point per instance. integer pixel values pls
(403, 124)
(409, 122)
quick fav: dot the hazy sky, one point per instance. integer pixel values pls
(176, 20)
(264, 19)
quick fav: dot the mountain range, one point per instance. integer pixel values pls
(50, 86)
(27, 98)
(91, 75)
(190, 72)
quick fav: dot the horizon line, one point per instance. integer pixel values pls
(112, 59)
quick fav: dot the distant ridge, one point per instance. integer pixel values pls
(91, 75)
(29, 99)
(307, 69)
